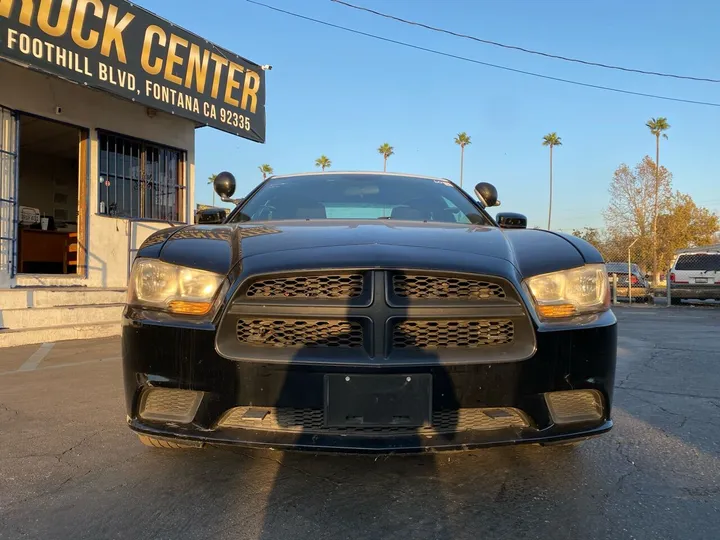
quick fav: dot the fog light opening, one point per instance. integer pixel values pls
(169, 405)
(574, 406)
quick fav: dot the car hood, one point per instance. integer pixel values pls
(306, 243)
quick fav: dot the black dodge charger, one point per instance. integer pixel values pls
(367, 312)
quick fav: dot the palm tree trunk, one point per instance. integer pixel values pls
(656, 206)
(462, 156)
(213, 197)
(384, 163)
(551, 189)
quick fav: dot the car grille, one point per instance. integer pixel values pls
(300, 333)
(323, 286)
(465, 334)
(369, 317)
(439, 287)
(313, 421)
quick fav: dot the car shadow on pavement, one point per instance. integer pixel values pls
(362, 487)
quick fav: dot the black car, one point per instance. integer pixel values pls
(639, 290)
(367, 312)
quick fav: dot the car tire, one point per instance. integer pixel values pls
(675, 301)
(152, 442)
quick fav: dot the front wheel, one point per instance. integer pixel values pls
(675, 301)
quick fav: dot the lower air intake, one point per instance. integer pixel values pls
(573, 406)
(312, 421)
(169, 405)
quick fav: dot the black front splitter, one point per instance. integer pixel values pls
(377, 444)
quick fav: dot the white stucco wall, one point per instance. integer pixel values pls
(109, 240)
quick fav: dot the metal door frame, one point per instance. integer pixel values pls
(11, 198)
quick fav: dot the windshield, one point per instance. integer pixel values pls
(699, 261)
(360, 196)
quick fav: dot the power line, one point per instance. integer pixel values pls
(474, 61)
(522, 49)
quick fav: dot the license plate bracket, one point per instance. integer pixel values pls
(701, 280)
(378, 400)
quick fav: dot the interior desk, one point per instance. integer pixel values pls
(38, 246)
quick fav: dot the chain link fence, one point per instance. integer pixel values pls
(639, 274)
(631, 274)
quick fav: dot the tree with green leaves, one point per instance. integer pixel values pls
(211, 181)
(551, 140)
(462, 140)
(629, 215)
(323, 162)
(658, 127)
(266, 170)
(386, 150)
(683, 224)
(591, 235)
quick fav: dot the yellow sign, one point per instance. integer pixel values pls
(126, 50)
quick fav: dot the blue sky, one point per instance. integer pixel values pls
(331, 92)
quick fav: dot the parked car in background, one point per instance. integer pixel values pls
(639, 285)
(695, 274)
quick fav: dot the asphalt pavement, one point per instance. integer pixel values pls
(71, 469)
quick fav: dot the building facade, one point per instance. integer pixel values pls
(133, 174)
(98, 109)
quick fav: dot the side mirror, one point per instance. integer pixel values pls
(211, 216)
(487, 194)
(510, 220)
(224, 186)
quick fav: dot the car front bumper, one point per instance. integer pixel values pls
(695, 292)
(637, 292)
(163, 355)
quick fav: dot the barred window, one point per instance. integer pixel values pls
(140, 179)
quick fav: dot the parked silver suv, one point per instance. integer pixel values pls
(695, 274)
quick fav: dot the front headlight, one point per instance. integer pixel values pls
(172, 288)
(579, 291)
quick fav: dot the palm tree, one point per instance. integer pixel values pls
(265, 169)
(211, 180)
(551, 140)
(657, 127)
(323, 162)
(386, 150)
(462, 139)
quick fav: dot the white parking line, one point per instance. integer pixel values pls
(55, 366)
(36, 357)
